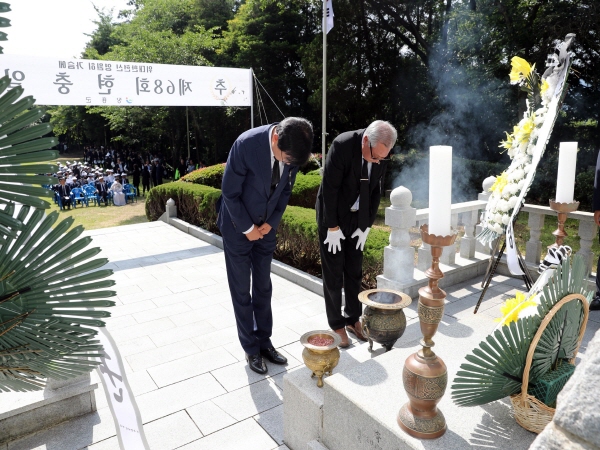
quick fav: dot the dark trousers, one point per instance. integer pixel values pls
(251, 260)
(344, 269)
(146, 186)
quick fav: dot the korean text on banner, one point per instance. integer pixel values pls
(63, 81)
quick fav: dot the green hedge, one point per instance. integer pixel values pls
(208, 176)
(305, 190)
(195, 203)
(297, 235)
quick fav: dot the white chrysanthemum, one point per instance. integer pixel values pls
(498, 228)
(512, 202)
(520, 184)
(502, 206)
(505, 219)
(517, 175)
(498, 218)
(527, 168)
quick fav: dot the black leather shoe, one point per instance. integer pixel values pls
(256, 363)
(273, 356)
(595, 304)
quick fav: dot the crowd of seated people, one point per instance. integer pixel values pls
(104, 186)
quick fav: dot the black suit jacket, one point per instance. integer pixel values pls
(101, 189)
(246, 188)
(340, 186)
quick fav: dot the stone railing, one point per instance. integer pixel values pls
(470, 259)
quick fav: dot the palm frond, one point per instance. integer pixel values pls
(495, 368)
(48, 301)
(20, 147)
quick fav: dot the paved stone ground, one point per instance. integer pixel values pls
(176, 331)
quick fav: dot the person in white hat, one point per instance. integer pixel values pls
(117, 191)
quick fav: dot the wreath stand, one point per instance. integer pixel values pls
(531, 413)
(493, 265)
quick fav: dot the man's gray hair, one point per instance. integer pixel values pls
(382, 132)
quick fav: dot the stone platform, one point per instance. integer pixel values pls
(175, 329)
(358, 406)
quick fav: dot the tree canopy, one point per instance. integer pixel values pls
(437, 69)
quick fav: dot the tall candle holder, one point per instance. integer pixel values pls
(562, 210)
(425, 375)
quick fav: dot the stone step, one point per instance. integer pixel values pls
(23, 413)
(358, 406)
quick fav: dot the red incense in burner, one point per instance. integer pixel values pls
(320, 341)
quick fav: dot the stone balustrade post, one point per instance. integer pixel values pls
(468, 241)
(424, 252)
(171, 209)
(484, 196)
(587, 233)
(533, 248)
(449, 253)
(398, 257)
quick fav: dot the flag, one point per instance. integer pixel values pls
(329, 15)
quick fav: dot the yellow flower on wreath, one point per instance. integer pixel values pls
(500, 183)
(544, 87)
(520, 69)
(508, 143)
(523, 130)
(512, 307)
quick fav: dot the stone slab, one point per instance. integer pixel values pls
(43, 409)
(361, 404)
(303, 400)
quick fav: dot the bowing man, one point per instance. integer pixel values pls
(257, 183)
(347, 204)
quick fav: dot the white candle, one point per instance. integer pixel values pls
(565, 182)
(440, 189)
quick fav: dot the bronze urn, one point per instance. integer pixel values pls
(383, 319)
(320, 353)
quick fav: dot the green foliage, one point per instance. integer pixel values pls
(208, 176)
(195, 203)
(297, 235)
(304, 192)
(495, 368)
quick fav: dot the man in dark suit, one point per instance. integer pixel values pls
(64, 191)
(595, 303)
(257, 183)
(347, 204)
(102, 189)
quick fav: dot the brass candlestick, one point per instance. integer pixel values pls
(562, 210)
(425, 376)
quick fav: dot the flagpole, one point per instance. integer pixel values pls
(324, 120)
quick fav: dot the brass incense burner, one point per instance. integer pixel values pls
(383, 320)
(321, 359)
(562, 210)
(425, 376)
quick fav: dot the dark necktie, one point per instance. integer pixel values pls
(275, 176)
(363, 203)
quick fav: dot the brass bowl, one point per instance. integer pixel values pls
(321, 359)
(383, 320)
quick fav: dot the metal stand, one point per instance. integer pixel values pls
(493, 265)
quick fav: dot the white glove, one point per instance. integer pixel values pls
(334, 239)
(362, 238)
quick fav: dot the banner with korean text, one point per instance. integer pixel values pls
(58, 81)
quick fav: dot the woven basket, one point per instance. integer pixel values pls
(530, 413)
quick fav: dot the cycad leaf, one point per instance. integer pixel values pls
(495, 368)
(48, 309)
